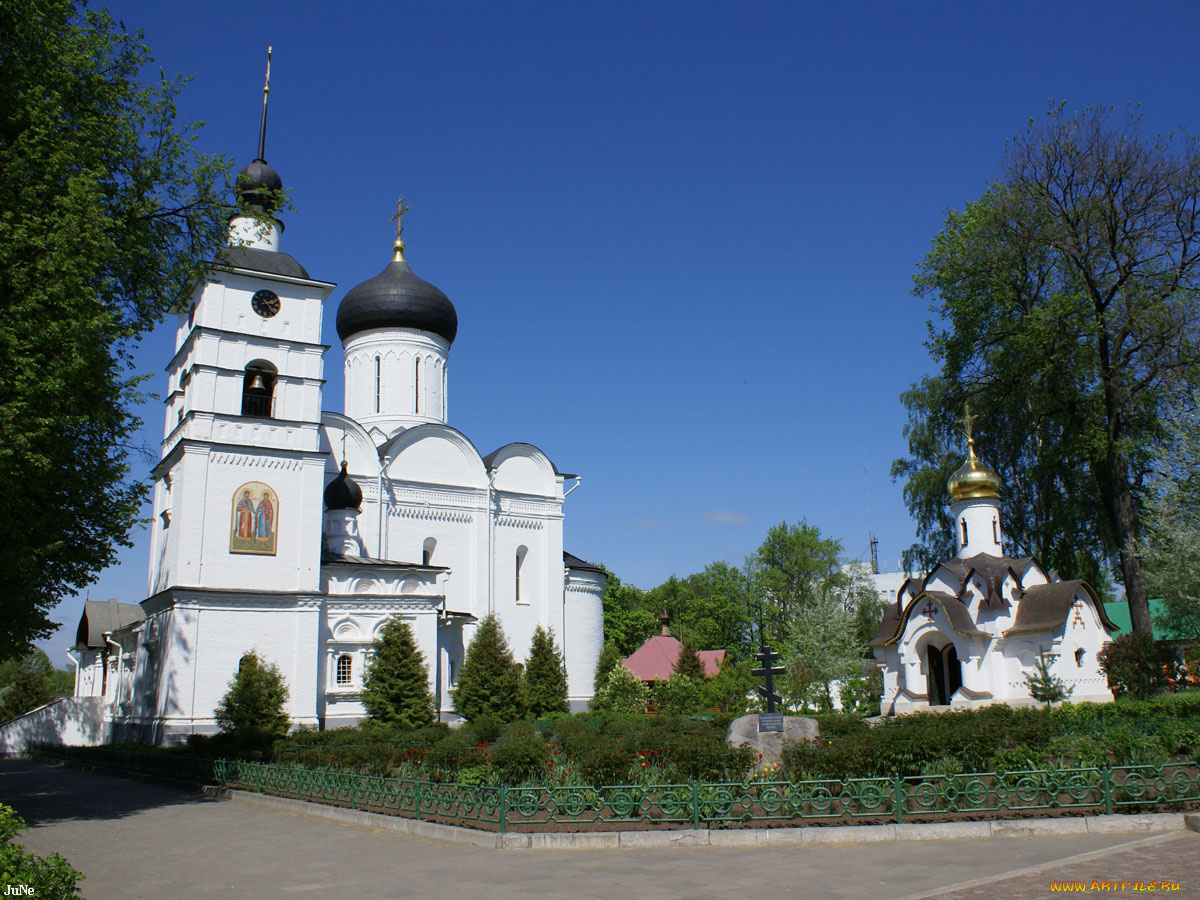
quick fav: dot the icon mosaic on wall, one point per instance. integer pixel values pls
(255, 519)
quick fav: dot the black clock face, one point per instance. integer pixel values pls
(265, 303)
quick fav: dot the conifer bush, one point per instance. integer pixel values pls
(545, 676)
(688, 664)
(489, 683)
(252, 710)
(396, 687)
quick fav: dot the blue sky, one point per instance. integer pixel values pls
(680, 237)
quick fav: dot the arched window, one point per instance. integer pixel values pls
(417, 386)
(345, 666)
(964, 531)
(1079, 657)
(522, 552)
(378, 381)
(427, 551)
(995, 532)
(258, 390)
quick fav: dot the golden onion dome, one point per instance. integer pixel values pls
(973, 479)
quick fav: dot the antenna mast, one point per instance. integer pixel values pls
(874, 542)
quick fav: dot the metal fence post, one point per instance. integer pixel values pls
(695, 805)
(1106, 774)
(899, 782)
(503, 809)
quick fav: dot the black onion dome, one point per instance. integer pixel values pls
(342, 492)
(256, 182)
(396, 298)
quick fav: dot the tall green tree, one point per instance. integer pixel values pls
(489, 682)
(29, 681)
(253, 706)
(1047, 502)
(1067, 296)
(793, 568)
(396, 687)
(628, 616)
(1172, 535)
(106, 216)
(545, 676)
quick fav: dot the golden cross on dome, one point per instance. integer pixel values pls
(968, 421)
(398, 218)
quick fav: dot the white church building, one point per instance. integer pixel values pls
(969, 632)
(297, 533)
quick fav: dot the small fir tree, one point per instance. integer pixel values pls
(679, 695)
(688, 664)
(623, 692)
(396, 687)
(545, 676)
(610, 658)
(1044, 686)
(489, 683)
(252, 708)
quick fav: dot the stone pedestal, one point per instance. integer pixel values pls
(743, 731)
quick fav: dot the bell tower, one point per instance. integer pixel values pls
(237, 493)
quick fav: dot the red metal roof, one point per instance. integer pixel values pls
(655, 659)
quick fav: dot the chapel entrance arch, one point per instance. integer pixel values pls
(943, 673)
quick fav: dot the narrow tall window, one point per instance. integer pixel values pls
(417, 386)
(344, 668)
(1079, 657)
(378, 380)
(519, 564)
(995, 532)
(427, 551)
(964, 532)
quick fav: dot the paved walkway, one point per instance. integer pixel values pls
(135, 839)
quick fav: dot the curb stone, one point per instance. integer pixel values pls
(733, 837)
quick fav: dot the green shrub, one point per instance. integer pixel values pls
(622, 692)
(485, 729)
(51, 876)
(677, 695)
(1138, 666)
(521, 755)
(458, 751)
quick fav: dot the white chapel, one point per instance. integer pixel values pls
(296, 532)
(969, 632)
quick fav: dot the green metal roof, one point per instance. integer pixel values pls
(1118, 611)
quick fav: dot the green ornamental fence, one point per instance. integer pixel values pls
(692, 805)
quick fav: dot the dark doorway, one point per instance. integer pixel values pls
(943, 673)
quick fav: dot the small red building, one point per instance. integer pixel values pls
(655, 660)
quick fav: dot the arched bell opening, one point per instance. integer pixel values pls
(258, 390)
(943, 673)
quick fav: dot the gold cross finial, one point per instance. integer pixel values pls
(968, 421)
(398, 218)
(343, 449)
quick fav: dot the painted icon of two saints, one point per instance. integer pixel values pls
(255, 519)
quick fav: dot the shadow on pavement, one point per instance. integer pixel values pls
(45, 792)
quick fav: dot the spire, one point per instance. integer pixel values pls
(262, 127)
(666, 621)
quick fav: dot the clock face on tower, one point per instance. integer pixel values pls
(265, 303)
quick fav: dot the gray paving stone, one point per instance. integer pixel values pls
(139, 840)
